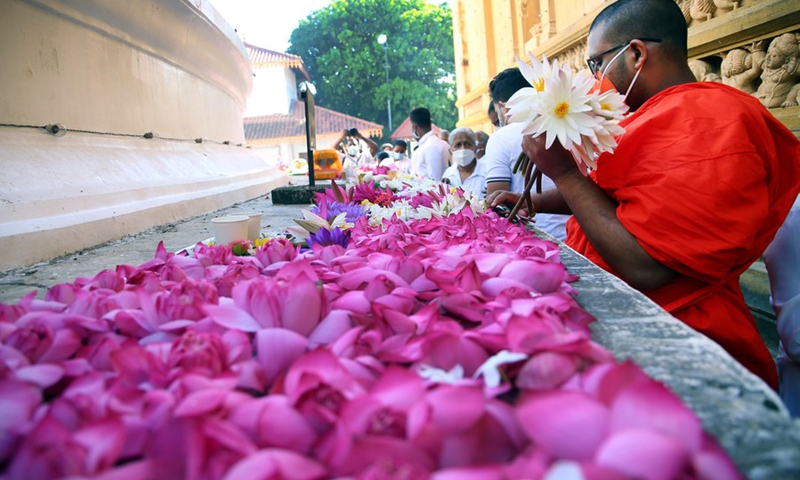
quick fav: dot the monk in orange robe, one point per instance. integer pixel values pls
(699, 184)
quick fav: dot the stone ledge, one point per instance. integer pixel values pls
(297, 194)
(742, 412)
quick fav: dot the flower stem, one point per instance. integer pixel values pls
(532, 175)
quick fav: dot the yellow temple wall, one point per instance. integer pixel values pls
(490, 33)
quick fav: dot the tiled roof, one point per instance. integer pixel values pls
(273, 129)
(403, 132)
(261, 57)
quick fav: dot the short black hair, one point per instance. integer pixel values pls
(421, 116)
(490, 109)
(625, 20)
(382, 155)
(400, 143)
(506, 83)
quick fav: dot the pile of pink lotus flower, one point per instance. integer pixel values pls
(443, 348)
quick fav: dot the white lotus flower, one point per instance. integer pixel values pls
(490, 369)
(569, 108)
(609, 105)
(564, 113)
(439, 375)
(313, 223)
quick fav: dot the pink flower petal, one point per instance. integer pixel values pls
(568, 425)
(652, 406)
(712, 463)
(232, 317)
(331, 328)
(643, 454)
(277, 349)
(44, 375)
(103, 442)
(495, 286)
(455, 409)
(272, 464)
(302, 306)
(354, 301)
(541, 276)
(470, 473)
(547, 370)
(200, 403)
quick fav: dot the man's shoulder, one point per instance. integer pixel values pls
(451, 171)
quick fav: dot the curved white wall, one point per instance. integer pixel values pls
(169, 66)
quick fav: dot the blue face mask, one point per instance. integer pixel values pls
(398, 155)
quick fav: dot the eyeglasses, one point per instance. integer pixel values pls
(594, 62)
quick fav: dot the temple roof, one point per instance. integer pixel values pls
(276, 128)
(261, 57)
(404, 130)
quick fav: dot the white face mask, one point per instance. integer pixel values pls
(414, 134)
(352, 151)
(464, 157)
(603, 77)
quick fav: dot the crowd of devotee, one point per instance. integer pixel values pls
(682, 207)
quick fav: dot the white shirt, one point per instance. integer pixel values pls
(475, 183)
(782, 260)
(502, 151)
(429, 160)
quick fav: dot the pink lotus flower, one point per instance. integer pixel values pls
(295, 304)
(319, 386)
(276, 464)
(53, 451)
(199, 352)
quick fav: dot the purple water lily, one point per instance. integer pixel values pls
(325, 237)
(330, 210)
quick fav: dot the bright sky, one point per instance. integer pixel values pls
(269, 23)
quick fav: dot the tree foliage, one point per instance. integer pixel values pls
(339, 47)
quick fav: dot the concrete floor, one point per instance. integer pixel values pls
(134, 249)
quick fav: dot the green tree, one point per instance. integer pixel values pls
(339, 47)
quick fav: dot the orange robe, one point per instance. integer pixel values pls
(704, 176)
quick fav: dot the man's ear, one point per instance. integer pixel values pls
(640, 52)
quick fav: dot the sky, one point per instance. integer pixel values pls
(269, 23)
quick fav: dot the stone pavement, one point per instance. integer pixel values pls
(135, 249)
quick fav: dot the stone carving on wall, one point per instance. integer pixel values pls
(705, 10)
(781, 71)
(704, 71)
(741, 68)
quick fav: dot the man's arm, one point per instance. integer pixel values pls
(373, 147)
(339, 142)
(549, 201)
(436, 163)
(596, 213)
(499, 187)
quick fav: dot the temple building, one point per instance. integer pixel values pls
(727, 43)
(274, 123)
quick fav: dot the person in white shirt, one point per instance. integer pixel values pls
(782, 260)
(466, 172)
(429, 159)
(481, 139)
(352, 142)
(504, 147)
(401, 161)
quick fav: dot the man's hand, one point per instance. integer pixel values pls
(553, 162)
(506, 199)
(502, 197)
